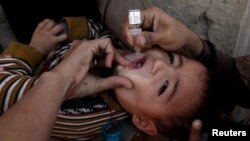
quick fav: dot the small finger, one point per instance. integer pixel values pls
(42, 24)
(62, 37)
(49, 25)
(195, 131)
(57, 29)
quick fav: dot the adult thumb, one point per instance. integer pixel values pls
(113, 82)
(146, 39)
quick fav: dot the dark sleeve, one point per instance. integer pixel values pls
(243, 65)
(226, 83)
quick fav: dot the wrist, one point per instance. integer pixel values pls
(38, 49)
(59, 82)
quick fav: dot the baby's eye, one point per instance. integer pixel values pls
(163, 88)
(171, 58)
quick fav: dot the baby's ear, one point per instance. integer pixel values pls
(145, 124)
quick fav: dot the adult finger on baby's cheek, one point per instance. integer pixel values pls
(195, 132)
(120, 81)
(113, 82)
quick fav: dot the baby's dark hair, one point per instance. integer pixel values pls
(177, 125)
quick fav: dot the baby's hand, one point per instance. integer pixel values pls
(196, 128)
(47, 36)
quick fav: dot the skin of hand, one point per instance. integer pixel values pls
(47, 36)
(84, 83)
(163, 30)
(195, 131)
(39, 107)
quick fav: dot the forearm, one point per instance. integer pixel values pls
(33, 117)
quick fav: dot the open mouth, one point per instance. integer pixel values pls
(136, 61)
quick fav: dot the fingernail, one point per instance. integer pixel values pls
(197, 124)
(142, 41)
(128, 86)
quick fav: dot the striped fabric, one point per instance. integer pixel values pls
(14, 81)
(78, 119)
(86, 121)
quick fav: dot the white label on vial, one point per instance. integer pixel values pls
(134, 17)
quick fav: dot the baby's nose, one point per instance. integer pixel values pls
(158, 65)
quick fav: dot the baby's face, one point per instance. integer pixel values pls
(163, 82)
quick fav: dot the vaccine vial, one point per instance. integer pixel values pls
(134, 16)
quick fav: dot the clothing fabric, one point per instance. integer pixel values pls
(229, 74)
(24, 15)
(78, 119)
(230, 89)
